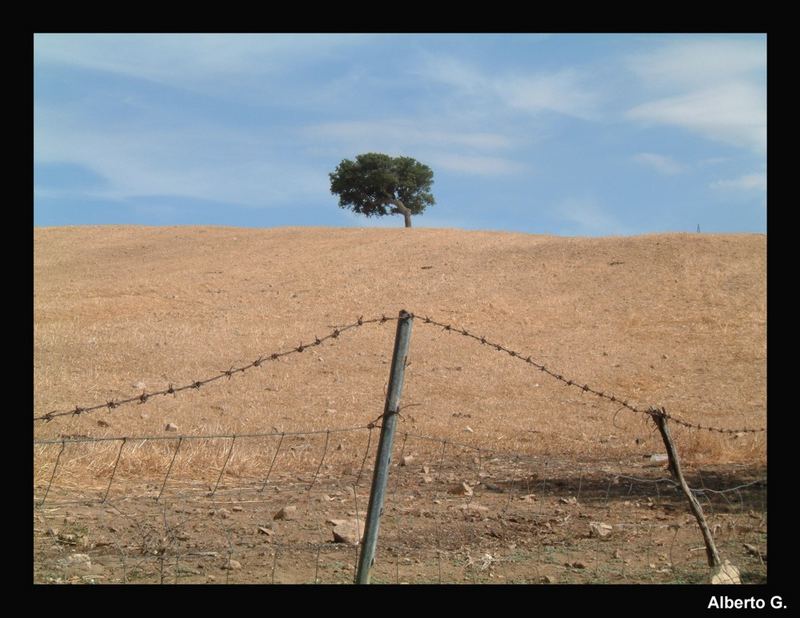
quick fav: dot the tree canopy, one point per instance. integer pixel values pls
(376, 184)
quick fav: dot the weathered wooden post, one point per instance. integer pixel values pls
(660, 418)
(383, 459)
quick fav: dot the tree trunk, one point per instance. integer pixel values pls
(399, 207)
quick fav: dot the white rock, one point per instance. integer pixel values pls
(233, 565)
(462, 489)
(725, 573)
(286, 513)
(79, 559)
(348, 531)
(171, 427)
(599, 529)
(406, 460)
(469, 429)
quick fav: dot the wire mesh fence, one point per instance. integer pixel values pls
(289, 507)
(453, 514)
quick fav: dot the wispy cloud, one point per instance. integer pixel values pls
(456, 151)
(715, 88)
(400, 133)
(660, 163)
(210, 163)
(585, 215)
(176, 59)
(691, 64)
(483, 166)
(747, 182)
(564, 91)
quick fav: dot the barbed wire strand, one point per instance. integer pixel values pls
(144, 397)
(577, 384)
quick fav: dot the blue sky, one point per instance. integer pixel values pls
(576, 135)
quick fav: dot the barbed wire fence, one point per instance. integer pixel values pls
(456, 513)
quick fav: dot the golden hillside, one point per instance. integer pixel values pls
(674, 320)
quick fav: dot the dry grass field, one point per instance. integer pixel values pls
(673, 320)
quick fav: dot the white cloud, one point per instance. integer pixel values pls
(564, 91)
(201, 162)
(561, 92)
(483, 166)
(660, 163)
(183, 57)
(734, 113)
(699, 63)
(442, 149)
(715, 88)
(746, 182)
(399, 133)
(585, 216)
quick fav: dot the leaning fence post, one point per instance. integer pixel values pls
(383, 458)
(660, 418)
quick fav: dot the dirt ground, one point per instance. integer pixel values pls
(518, 520)
(672, 320)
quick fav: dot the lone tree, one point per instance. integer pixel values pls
(377, 185)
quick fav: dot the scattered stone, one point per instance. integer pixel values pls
(286, 513)
(426, 470)
(406, 460)
(233, 565)
(69, 539)
(102, 423)
(461, 489)
(469, 429)
(349, 531)
(427, 478)
(577, 565)
(725, 573)
(753, 550)
(224, 513)
(79, 559)
(140, 386)
(265, 530)
(658, 458)
(330, 411)
(237, 508)
(599, 529)
(474, 508)
(546, 579)
(570, 500)
(211, 578)
(171, 427)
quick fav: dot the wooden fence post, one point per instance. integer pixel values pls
(660, 418)
(383, 459)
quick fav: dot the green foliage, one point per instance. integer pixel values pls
(376, 185)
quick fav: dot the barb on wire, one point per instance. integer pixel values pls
(196, 384)
(583, 387)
